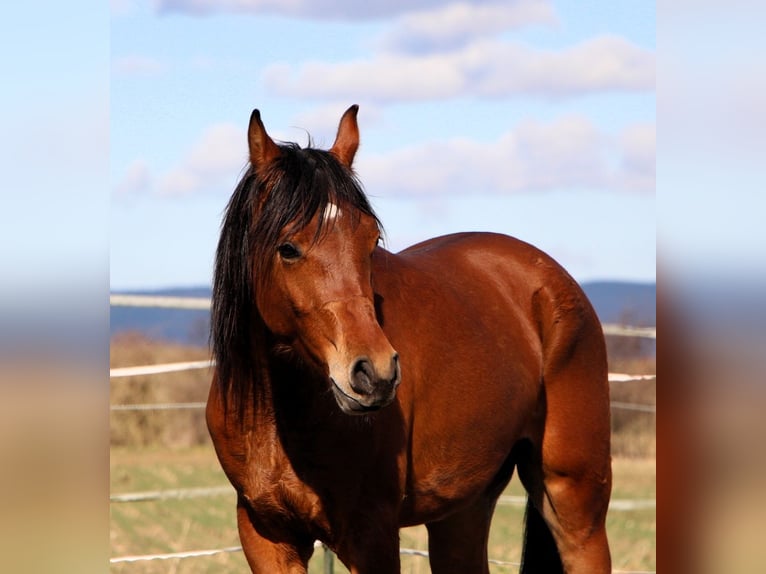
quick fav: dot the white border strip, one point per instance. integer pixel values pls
(166, 302)
(628, 331)
(158, 407)
(424, 554)
(634, 407)
(170, 555)
(178, 493)
(200, 405)
(403, 551)
(625, 378)
(615, 504)
(203, 303)
(157, 369)
(118, 372)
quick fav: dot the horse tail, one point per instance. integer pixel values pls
(540, 555)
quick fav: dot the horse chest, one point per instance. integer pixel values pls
(278, 497)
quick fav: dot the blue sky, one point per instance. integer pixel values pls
(532, 118)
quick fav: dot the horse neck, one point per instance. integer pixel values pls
(292, 403)
(285, 391)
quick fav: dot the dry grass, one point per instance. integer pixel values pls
(202, 523)
(175, 428)
(157, 450)
(633, 431)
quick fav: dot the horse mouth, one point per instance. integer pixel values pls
(354, 406)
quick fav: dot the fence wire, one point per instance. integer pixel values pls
(203, 303)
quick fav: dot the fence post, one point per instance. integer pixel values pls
(328, 560)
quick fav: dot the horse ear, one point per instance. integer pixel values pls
(263, 150)
(347, 140)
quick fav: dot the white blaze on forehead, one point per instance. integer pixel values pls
(331, 212)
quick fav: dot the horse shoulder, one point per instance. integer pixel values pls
(231, 451)
(254, 461)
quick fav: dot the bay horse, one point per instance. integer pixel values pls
(357, 391)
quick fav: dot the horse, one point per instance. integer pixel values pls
(357, 391)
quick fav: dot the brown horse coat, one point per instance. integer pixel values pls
(462, 358)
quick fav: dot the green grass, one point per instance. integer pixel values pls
(209, 522)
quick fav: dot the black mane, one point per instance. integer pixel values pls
(291, 191)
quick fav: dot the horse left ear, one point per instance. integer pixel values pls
(263, 150)
(347, 140)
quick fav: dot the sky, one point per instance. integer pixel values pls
(532, 118)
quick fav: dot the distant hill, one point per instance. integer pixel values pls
(623, 302)
(615, 302)
(186, 326)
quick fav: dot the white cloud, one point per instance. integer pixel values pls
(452, 25)
(638, 147)
(318, 9)
(388, 78)
(137, 65)
(137, 179)
(569, 153)
(122, 7)
(603, 63)
(488, 68)
(321, 123)
(214, 161)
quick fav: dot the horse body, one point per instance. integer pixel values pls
(472, 385)
(502, 367)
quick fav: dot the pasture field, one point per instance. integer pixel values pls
(208, 522)
(162, 450)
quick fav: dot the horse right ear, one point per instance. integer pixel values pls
(263, 150)
(347, 140)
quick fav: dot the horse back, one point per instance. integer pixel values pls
(496, 287)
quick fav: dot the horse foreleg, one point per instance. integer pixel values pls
(266, 556)
(371, 546)
(458, 543)
(374, 559)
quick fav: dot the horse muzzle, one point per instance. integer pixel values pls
(367, 387)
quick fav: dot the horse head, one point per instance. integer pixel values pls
(309, 250)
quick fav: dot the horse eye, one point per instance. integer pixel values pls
(288, 251)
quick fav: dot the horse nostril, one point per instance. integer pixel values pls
(395, 369)
(362, 376)
(366, 380)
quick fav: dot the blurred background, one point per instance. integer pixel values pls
(67, 200)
